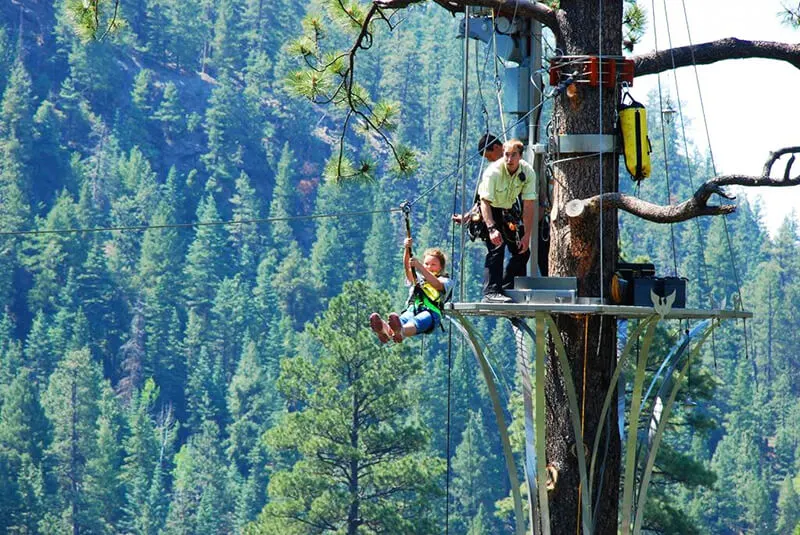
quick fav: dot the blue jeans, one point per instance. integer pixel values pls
(425, 321)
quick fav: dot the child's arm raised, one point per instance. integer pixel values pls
(407, 262)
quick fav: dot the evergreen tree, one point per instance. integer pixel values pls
(104, 486)
(135, 207)
(360, 451)
(145, 463)
(103, 305)
(788, 507)
(72, 405)
(50, 169)
(226, 44)
(474, 479)
(200, 503)
(6, 56)
(205, 383)
(252, 404)
(136, 124)
(24, 436)
(185, 32)
(51, 257)
(11, 359)
(205, 260)
(297, 291)
(39, 355)
(16, 114)
(479, 525)
(171, 114)
(273, 339)
(230, 321)
(96, 72)
(156, 37)
(14, 216)
(226, 127)
(135, 366)
(283, 203)
(246, 238)
(334, 257)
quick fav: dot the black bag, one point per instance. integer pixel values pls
(510, 226)
(476, 228)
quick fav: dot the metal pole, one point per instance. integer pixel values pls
(533, 48)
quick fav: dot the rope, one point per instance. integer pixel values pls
(471, 158)
(484, 111)
(664, 144)
(498, 85)
(705, 283)
(600, 160)
(462, 141)
(583, 405)
(714, 169)
(196, 223)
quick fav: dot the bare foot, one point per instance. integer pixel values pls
(379, 327)
(396, 327)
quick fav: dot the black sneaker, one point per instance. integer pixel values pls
(496, 297)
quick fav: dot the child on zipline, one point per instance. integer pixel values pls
(429, 290)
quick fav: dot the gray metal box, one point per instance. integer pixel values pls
(546, 283)
(543, 297)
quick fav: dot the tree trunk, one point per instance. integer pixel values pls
(587, 249)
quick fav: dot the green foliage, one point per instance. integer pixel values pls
(359, 447)
(634, 24)
(327, 77)
(200, 503)
(474, 475)
(188, 114)
(94, 19)
(24, 436)
(72, 404)
(791, 16)
(203, 271)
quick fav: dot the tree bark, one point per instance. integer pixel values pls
(585, 248)
(583, 244)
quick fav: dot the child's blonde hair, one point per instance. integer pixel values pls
(439, 254)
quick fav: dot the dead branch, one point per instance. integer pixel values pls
(522, 8)
(714, 51)
(773, 157)
(697, 206)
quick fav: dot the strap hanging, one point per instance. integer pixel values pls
(406, 209)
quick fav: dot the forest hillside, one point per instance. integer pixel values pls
(163, 370)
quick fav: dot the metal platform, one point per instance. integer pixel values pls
(587, 306)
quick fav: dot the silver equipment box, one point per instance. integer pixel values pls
(542, 297)
(544, 290)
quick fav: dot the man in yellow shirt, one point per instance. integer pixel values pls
(491, 149)
(501, 184)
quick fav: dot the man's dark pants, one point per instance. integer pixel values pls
(494, 279)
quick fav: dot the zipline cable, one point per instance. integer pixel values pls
(664, 144)
(224, 222)
(705, 283)
(463, 168)
(497, 83)
(471, 158)
(123, 228)
(714, 169)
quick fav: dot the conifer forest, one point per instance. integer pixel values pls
(186, 285)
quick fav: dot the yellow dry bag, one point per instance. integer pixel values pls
(635, 142)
